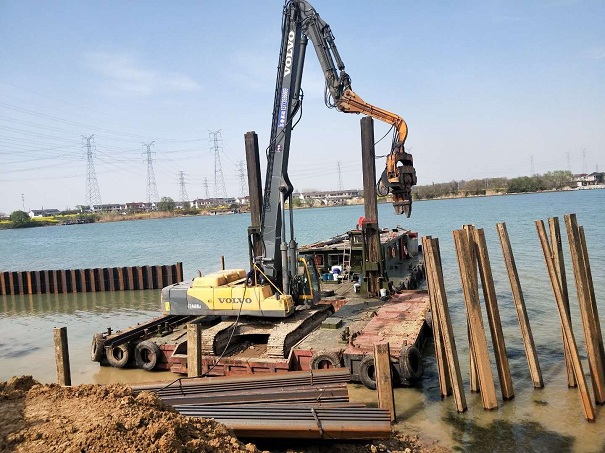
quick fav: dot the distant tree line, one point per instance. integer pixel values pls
(553, 180)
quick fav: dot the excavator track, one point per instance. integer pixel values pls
(292, 330)
(215, 338)
(281, 337)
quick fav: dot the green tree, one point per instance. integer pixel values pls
(20, 219)
(309, 202)
(475, 187)
(525, 184)
(558, 179)
(166, 204)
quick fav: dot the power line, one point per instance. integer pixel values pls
(206, 188)
(216, 146)
(241, 171)
(93, 196)
(184, 196)
(152, 188)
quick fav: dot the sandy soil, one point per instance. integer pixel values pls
(94, 418)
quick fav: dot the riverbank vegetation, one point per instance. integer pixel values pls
(21, 219)
(554, 180)
(167, 207)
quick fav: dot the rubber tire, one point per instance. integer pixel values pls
(330, 358)
(367, 372)
(146, 355)
(97, 349)
(410, 363)
(119, 362)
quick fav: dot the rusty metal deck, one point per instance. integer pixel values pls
(401, 320)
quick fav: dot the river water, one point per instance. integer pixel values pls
(550, 419)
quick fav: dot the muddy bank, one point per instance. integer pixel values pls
(95, 418)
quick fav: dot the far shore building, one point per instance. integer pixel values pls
(584, 180)
(43, 212)
(331, 197)
(139, 206)
(202, 203)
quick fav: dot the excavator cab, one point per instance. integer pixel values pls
(305, 284)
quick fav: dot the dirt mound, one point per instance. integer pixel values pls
(93, 418)
(16, 387)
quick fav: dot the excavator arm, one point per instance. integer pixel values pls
(302, 24)
(399, 175)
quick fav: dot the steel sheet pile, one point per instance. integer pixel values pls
(302, 404)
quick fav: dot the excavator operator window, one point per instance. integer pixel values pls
(314, 277)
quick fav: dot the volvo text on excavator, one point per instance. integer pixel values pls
(280, 279)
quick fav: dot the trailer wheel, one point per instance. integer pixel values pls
(325, 359)
(97, 348)
(146, 355)
(119, 356)
(367, 372)
(410, 362)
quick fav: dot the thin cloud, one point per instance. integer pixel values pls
(596, 53)
(258, 72)
(255, 72)
(122, 72)
(503, 18)
(500, 12)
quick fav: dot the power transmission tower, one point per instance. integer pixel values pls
(206, 188)
(340, 187)
(568, 162)
(216, 145)
(184, 196)
(241, 171)
(531, 164)
(584, 160)
(152, 188)
(93, 196)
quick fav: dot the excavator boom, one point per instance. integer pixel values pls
(302, 24)
(280, 278)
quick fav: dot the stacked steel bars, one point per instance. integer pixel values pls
(309, 387)
(299, 404)
(298, 422)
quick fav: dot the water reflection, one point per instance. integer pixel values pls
(72, 303)
(504, 436)
(27, 321)
(552, 417)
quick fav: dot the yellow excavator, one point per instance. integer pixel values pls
(280, 279)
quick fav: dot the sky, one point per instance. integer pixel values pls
(487, 88)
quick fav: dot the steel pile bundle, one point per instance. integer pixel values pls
(349, 422)
(303, 387)
(332, 393)
(299, 404)
(218, 385)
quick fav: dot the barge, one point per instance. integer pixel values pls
(338, 331)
